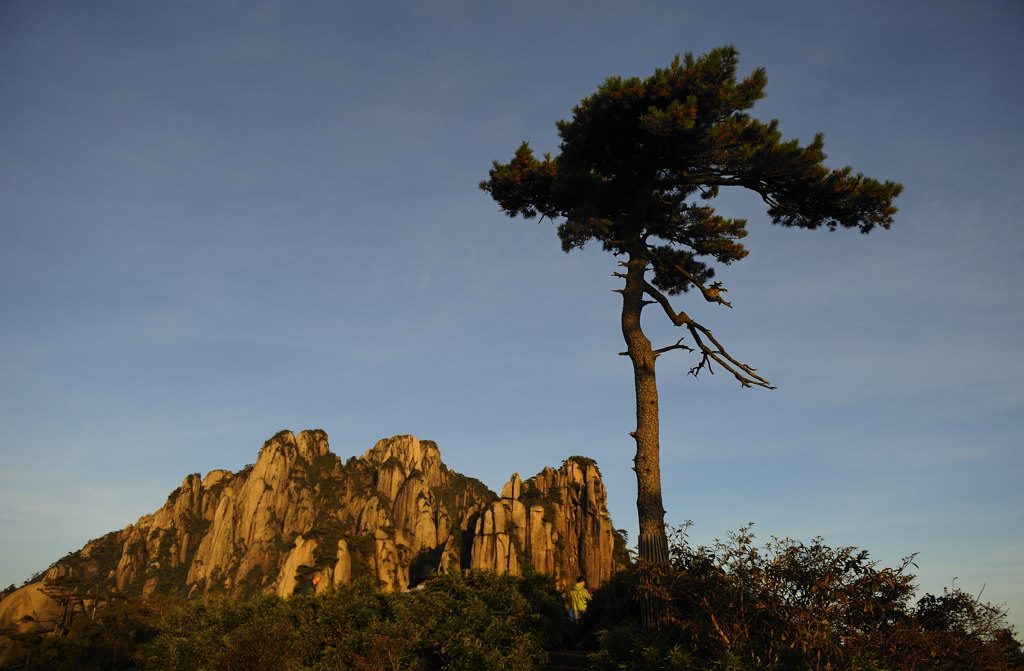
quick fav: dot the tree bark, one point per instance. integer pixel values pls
(653, 541)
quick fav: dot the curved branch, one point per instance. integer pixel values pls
(711, 350)
(712, 294)
(677, 318)
(679, 345)
(744, 373)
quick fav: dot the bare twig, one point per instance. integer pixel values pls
(711, 350)
(679, 345)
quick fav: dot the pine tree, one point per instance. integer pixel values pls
(640, 162)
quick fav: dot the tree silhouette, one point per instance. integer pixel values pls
(640, 162)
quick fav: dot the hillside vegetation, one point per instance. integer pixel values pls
(787, 605)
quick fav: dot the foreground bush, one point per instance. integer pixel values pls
(107, 641)
(786, 606)
(478, 621)
(460, 623)
(792, 606)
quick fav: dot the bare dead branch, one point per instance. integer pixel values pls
(711, 350)
(677, 318)
(679, 345)
(745, 374)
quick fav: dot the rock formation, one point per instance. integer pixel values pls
(393, 515)
(556, 522)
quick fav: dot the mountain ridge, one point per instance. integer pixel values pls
(393, 515)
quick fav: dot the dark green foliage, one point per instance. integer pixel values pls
(641, 158)
(584, 462)
(786, 606)
(323, 466)
(258, 634)
(282, 435)
(328, 530)
(462, 493)
(549, 606)
(480, 621)
(107, 641)
(792, 606)
(954, 632)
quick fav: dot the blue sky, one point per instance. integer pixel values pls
(224, 219)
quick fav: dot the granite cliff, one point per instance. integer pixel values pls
(392, 515)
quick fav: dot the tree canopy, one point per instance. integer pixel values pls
(642, 159)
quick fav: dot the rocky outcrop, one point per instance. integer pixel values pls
(393, 515)
(557, 522)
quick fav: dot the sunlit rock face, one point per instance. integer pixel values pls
(393, 515)
(557, 522)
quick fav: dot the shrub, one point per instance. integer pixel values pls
(460, 623)
(252, 635)
(478, 621)
(794, 606)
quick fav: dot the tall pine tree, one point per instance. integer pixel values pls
(640, 163)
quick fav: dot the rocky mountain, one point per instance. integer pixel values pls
(394, 515)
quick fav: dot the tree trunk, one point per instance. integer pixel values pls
(653, 541)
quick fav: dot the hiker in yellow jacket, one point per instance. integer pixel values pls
(578, 598)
